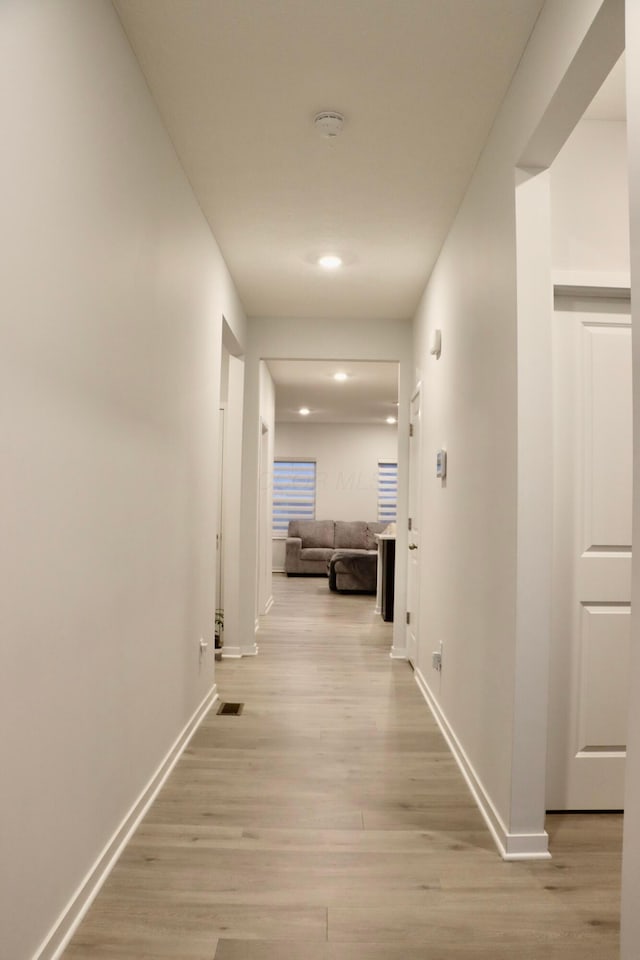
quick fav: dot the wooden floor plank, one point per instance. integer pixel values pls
(256, 950)
(329, 822)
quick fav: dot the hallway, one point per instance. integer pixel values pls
(329, 822)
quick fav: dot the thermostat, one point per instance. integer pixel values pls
(441, 464)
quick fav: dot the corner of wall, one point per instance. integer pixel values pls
(510, 846)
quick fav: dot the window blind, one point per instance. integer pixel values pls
(294, 493)
(387, 490)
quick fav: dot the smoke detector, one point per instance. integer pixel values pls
(328, 123)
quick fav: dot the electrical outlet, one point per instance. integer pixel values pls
(436, 660)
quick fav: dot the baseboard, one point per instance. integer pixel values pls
(268, 605)
(398, 653)
(511, 846)
(231, 653)
(72, 915)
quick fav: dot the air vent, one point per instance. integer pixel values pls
(230, 709)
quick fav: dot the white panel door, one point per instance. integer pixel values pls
(592, 554)
(413, 566)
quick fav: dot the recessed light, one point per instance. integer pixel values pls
(391, 420)
(304, 411)
(341, 376)
(330, 261)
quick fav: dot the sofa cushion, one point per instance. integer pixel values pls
(316, 553)
(313, 533)
(351, 535)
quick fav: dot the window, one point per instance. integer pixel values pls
(294, 493)
(387, 490)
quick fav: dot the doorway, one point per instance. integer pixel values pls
(592, 456)
(415, 526)
(345, 446)
(229, 534)
(590, 640)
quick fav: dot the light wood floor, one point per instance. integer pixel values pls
(329, 822)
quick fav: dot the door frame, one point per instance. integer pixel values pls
(264, 595)
(413, 511)
(563, 778)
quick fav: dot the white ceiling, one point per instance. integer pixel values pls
(369, 395)
(238, 83)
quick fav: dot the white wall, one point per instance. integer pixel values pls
(332, 340)
(630, 934)
(491, 693)
(590, 201)
(346, 456)
(111, 302)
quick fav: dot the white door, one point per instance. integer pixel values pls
(413, 566)
(592, 554)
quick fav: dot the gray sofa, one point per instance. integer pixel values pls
(344, 550)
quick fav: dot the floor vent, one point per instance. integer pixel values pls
(230, 709)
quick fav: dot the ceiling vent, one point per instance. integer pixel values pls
(329, 123)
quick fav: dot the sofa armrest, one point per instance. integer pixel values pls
(293, 555)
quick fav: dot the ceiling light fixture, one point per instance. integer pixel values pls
(341, 377)
(304, 411)
(328, 123)
(330, 261)
(391, 420)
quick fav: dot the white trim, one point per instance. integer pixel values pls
(511, 846)
(268, 605)
(526, 846)
(250, 651)
(592, 293)
(398, 653)
(231, 653)
(590, 281)
(74, 912)
(598, 286)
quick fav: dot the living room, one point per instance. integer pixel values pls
(338, 461)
